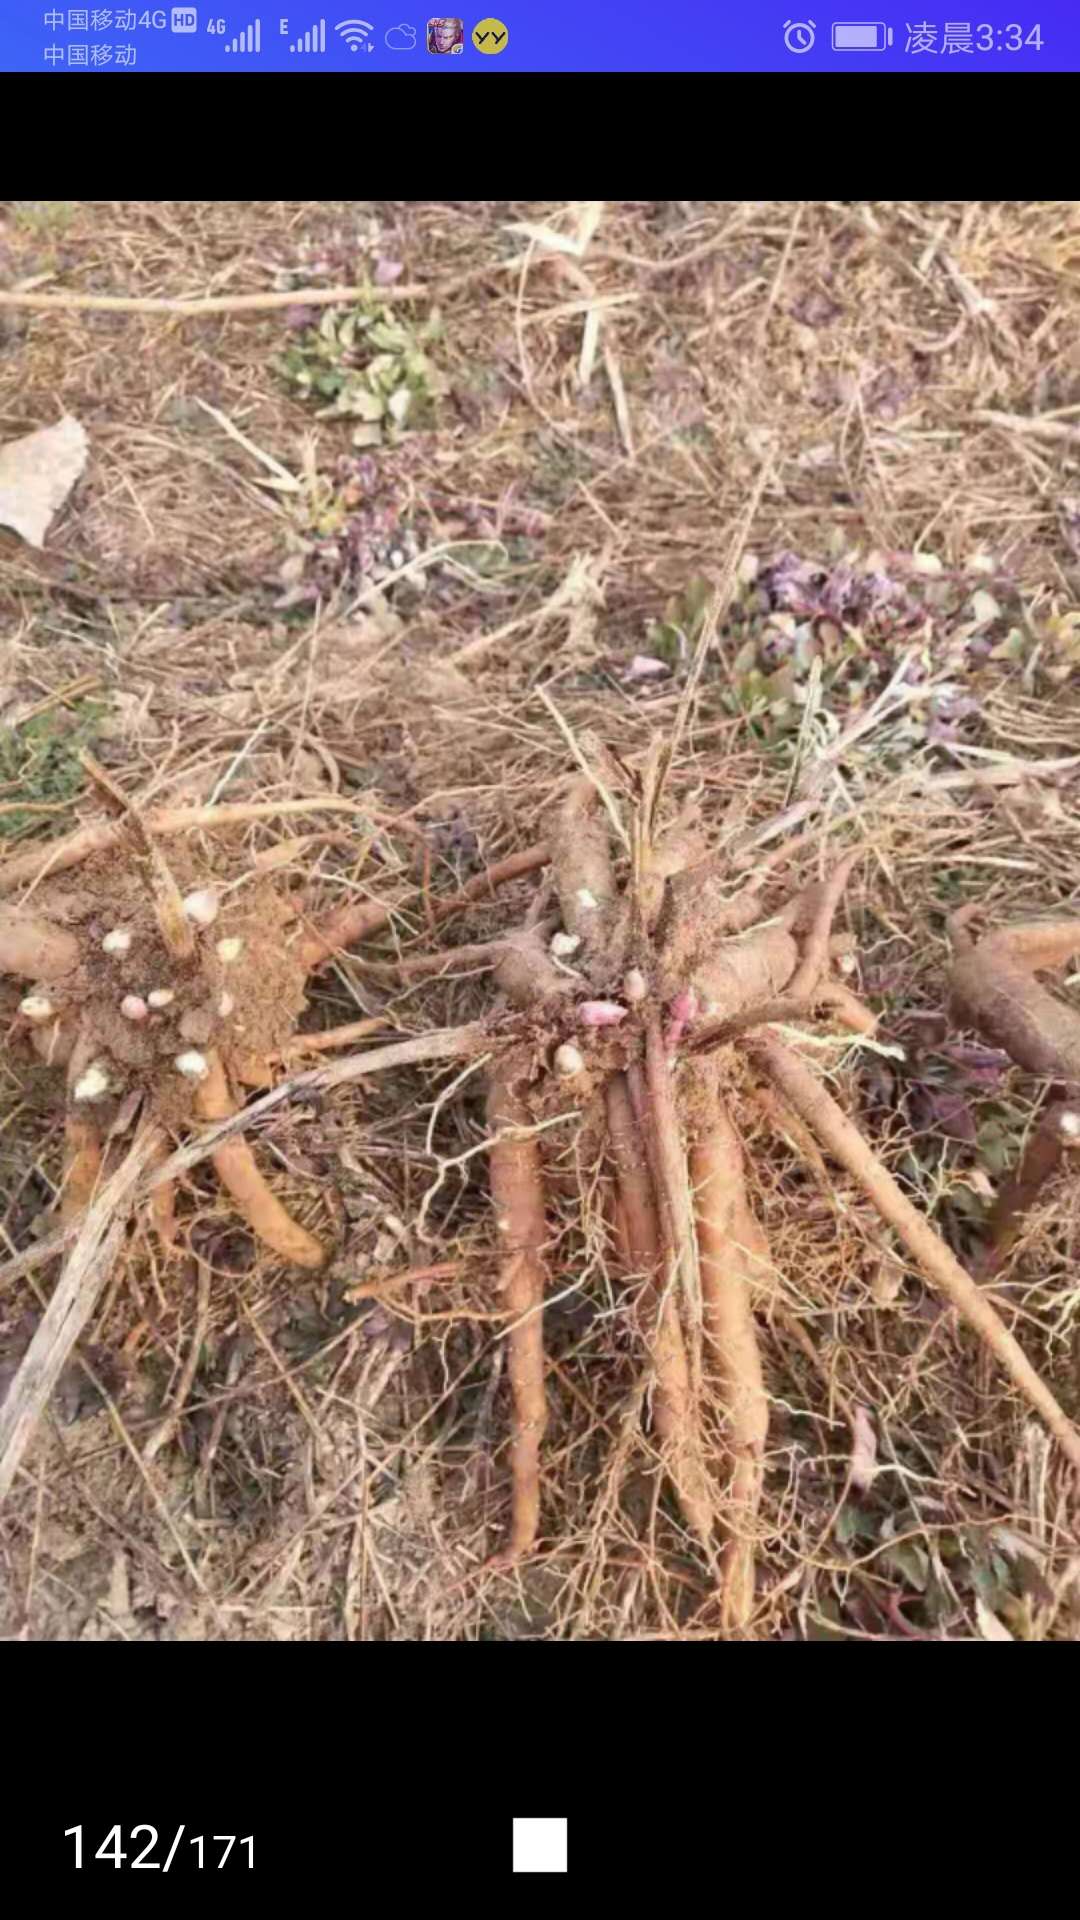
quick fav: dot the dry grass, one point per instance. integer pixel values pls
(338, 1467)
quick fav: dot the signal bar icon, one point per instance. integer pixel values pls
(248, 40)
(314, 40)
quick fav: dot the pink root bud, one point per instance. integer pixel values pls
(682, 1011)
(601, 1013)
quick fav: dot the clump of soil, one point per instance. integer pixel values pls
(241, 991)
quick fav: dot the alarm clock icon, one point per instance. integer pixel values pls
(799, 35)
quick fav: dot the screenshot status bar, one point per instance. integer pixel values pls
(558, 37)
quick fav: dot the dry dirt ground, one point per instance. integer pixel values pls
(859, 425)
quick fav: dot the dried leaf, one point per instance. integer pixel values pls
(36, 475)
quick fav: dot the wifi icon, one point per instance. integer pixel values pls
(355, 33)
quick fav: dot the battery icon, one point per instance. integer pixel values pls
(861, 36)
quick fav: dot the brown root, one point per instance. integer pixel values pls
(660, 1121)
(59, 856)
(993, 989)
(257, 1070)
(236, 1168)
(163, 1214)
(1056, 1133)
(581, 859)
(842, 1139)
(790, 1128)
(82, 1162)
(526, 972)
(752, 966)
(161, 1205)
(733, 1255)
(830, 996)
(674, 1411)
(518, 1195)
(699, 911)
(331, 1037)
(818, 909)
(851, 1012)
(34, 948)
(359, 920)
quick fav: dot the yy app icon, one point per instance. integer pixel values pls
(490, 36)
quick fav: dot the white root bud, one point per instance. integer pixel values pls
(202, 907)
(847, 963)
(37, 1008)
(133, 1007)
(117, 941)
(229, 950)
(585, 899)
(93, 1084)
(569, 1060)
(160, 997)
(192, 1064)
(564, 944)
(1069, 1125)
(635, 986)
(225, 1005)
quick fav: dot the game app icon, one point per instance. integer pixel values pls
(445, 36)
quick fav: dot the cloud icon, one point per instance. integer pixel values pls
(400, 39)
